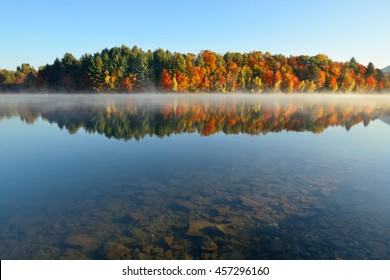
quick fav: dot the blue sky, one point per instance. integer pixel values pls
(38, 31)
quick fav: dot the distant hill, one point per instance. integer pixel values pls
(386, 69)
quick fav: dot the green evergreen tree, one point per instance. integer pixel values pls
(96, 73)
(370, 70)
(142, 71)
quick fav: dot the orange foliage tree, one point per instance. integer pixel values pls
(166, 80)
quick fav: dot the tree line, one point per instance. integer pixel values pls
(124, 69)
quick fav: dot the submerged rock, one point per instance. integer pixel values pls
(223, 229)
(158, 251)
(187, 204)
(148, 249)
(79, 241)
(249, 202)
(236, 220)
(169, 240)
(195, 227)
(222, 210)
(177, 246)
(225, 249)
(218, 219)
(143, 256)
(113, 251)
(169, 254)
(210, 247)
(208, 244)
(137, 215)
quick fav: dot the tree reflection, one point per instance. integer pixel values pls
(132, 120)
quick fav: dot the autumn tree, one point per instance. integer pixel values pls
(291, 82)
(195, 78)
(277, 81)
(174, 84)
(232, 76)
(7, 80)
(166, 80)
(371, 83)
(128, 82)
(257, 85)
(348, 81)
(182, 82)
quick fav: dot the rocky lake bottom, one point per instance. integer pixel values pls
(222, 217)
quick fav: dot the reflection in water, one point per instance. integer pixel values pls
(134, 117)
(227, 196)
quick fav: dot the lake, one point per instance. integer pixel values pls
(153, 176)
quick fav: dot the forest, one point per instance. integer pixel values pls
(132, 70)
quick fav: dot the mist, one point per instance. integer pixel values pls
(56, 100)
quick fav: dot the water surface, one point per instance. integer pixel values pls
(194, 177)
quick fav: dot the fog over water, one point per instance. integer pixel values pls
(61, 100)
